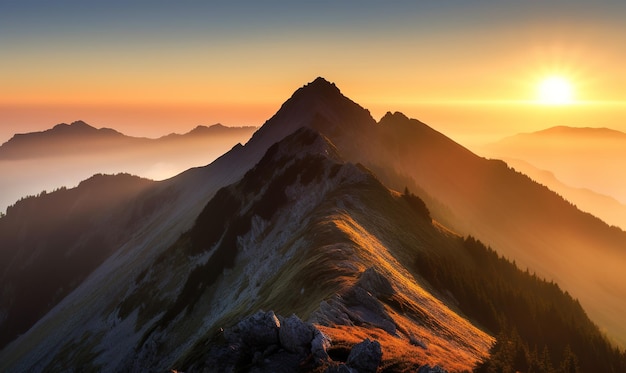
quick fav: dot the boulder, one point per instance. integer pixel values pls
(363, 307)
(365, 357)
(296, 335)
(258, 330)
(332, 312)
(375, 283)
(319, 346)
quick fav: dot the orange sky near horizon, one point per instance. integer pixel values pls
(469, 71)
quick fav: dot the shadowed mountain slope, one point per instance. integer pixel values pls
(298, 231)
(302, 232)
(50, 243)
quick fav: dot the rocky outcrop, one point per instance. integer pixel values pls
(365, 357)
(265, 342)
(375, 283)
(258, 330)
(362, 304)
(295, 335)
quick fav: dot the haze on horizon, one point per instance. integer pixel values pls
(470, 70)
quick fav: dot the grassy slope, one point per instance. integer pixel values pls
(525, 221)
(356, 226)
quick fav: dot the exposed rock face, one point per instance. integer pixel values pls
(265, 342)
(258, 330)
(365, 357)
(332, 312)
(361, 304)
(295, 335)
(377, 284)
(319, 345)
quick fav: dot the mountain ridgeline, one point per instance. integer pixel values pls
(306, 219)
(69, 153)
(79, 138)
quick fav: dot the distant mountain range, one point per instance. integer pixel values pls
(589, 158)
(359, 228)
(605, 207)
(68, 153)
(79, 138)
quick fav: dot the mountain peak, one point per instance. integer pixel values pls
(319, 105)
(76, 125)
(393, 117)
(320, 88)
(322, 85)
(80, 124)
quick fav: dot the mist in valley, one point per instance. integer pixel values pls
(45, 164)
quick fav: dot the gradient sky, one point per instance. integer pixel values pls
(467, 68)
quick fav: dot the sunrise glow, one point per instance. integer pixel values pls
(555, 90)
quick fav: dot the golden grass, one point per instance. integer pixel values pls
(398, 350)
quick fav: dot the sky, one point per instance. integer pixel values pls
(468, 69)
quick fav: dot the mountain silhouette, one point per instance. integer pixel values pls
(604, 207)
(79, 138)
(51, 242)
(62, 139)
(306, 218)
(580, 157)
(67, 154)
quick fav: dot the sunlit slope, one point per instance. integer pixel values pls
(299, 233)
(525, 221)
(299, 229)
(522, 219)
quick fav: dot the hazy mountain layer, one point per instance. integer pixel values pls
(79, 138)
(67, 154)
(606, 208)
(589, 158)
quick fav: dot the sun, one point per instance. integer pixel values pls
(555, 90)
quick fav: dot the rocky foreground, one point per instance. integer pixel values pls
(266, 342)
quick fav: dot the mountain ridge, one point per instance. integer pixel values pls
(579, 131)
(163, 291)
(34, 162)
(40, 264)
(20, 146)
